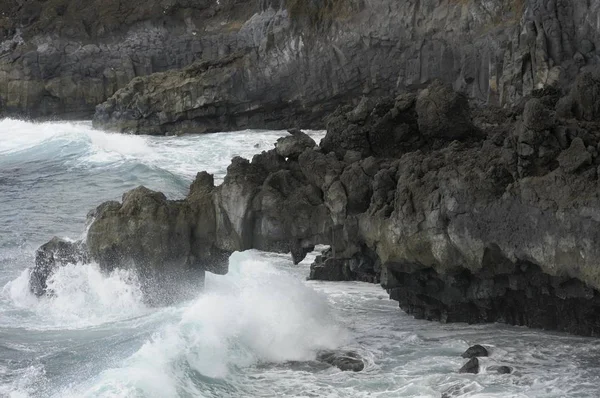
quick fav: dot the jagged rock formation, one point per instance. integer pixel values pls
(493, 217)
(56, 253)
(299, 60)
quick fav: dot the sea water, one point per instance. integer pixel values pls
(252, 333)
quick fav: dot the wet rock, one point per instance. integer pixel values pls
(344, 360)
(472, 366)
(574, 158)
(475, 351)
(57, 252)
(169, 244)
(331, 269)
(292, 146)
(500, 369)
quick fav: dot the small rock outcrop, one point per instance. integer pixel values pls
(475, 351)
(344, 360)
(293, 146)
(472, 366)
(170, 244)
(500, 369)
(57, 252)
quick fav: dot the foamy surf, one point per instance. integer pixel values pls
(255, 315)
(83, 296)
(252, 333)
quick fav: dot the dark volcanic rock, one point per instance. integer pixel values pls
(475, 352)
(443, 113)
(292, 146)
(503, 370)
(470, 367)
(497, 226)
(575, 157)
(344, 360)
(63, 57)
(57, 252)
(388, 128)
(168, 243)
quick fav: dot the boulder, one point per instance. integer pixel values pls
(169, 244)
(443, 113)
(472, 366)
(475, 352)
(292, 146)
(536, 116)
(344, 360)
(389, 128)
(500, 369)
(331, 269)
(55, 253)
(575, 157)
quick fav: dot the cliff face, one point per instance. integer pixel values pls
(463, 214)
(298, 60)
(61, 58)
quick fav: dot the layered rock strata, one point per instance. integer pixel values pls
(295, 60)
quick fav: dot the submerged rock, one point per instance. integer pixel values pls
(475, 352)
(500, 369)
(344, 360)
(57, 252)
(472, 366)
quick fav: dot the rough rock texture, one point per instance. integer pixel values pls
(64, 57)
(344, 360)
(498, 223)
(298, 61)
(168, 243)
(57, 252)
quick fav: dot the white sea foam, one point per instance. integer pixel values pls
(181, 156)
(82, 296)
(256, 314)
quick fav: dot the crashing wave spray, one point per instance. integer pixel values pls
(254, 315)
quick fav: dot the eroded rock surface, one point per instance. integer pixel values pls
(343, 360)
(297, 60)
(496, 223)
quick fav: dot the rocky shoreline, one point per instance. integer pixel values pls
(460, 165)
(464, 214)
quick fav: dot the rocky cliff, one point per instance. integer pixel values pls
(295, 61)
(470, 214)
